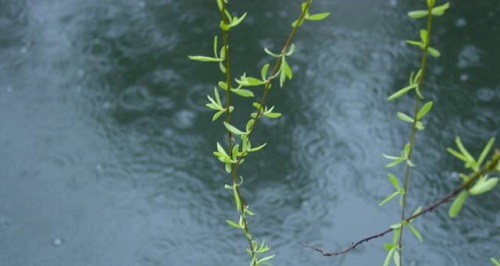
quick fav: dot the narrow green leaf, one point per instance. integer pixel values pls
(233, 129)
(271, 114)
(265, 259)
(496, 262)
(396, 258)
(271, 53)
(389, 256)
(483, 185)
(430, 3)
(216, 47)
(250, 81)
(388, 198)
(416, 14)
(291, 50)
(222, 85)
(401, 92)
(415, 43)
(457, 204)
(433, 52)
(202, 58)
(389, 246)
(463, 150)
(264, 71)
(485, 151)
(457, 154)
(236, 21)
(233, 224)
(258, 148)
(423, 36)
(394, 181)
(396, 226)
(424, 110)
(318, 16)
(218, 114)
(439, 10)
(416, 233)
(243, 93)
(250, 124)
(419, 125)
(237, 199)
(404, 117)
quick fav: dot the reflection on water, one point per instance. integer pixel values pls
(106, 143)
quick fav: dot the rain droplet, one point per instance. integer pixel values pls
(57, 242)
(460, 22)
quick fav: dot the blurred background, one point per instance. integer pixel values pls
(106, 145)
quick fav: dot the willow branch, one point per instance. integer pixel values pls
(489, 167)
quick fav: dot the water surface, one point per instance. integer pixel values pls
(106, 143)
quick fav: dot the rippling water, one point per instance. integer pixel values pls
(106, 143)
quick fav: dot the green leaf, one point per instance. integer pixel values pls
(258, 148)
(415, 43)
(433, 52)
(404, 117)
(265, 259)
(496, 262)
(202, 58)
(218, 114)
(416, 14)
(388, 198)
(389, 256)
(250, 81)
(396, 226)
(271, 53)
(236, 21)
(457, 204)
(389, 246)
(396, 258)
(416, 233)
(250, 124)
(423, 36)
(424, 110)
(485, 151)
(463, 150)
(233, 224)
(243, 93)
(228, 168)
(237, 199)
(419, 125)
(430, 3)
(291, 50)
(483, 185)
(264, 71)
(401, 92)
(439, 10)
(457, 154)
(233, 129)
(319, 16)
(396, 160)
(271, 114)
(394, 181)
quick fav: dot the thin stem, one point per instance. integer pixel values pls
(228, 79)
(274, 71)
(407, 174)
(489, 167)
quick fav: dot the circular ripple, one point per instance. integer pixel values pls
(158, 251)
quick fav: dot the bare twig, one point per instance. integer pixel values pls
(489, 167)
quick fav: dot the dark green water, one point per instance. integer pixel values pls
(106, 145)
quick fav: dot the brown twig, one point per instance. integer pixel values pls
(489, 167)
